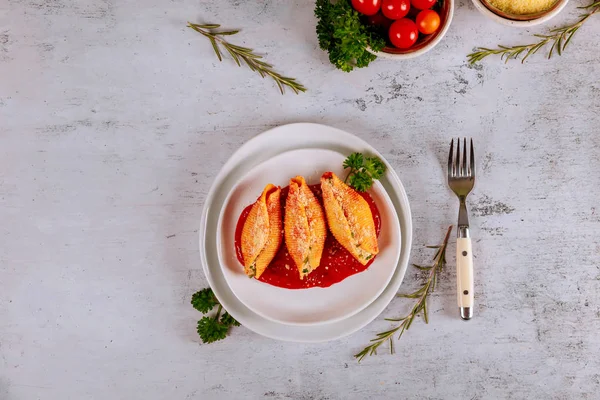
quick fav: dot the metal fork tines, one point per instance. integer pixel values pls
(461, 179)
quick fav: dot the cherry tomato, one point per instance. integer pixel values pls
(395, 9)
(403, 33)
(423, 4)
(367, 7)
(379, 20)
(428, 21)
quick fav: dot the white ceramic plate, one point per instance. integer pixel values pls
(257, 150)
(315, 305)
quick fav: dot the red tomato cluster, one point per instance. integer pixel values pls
(395, 17)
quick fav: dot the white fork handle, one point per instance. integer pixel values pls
(464, 277)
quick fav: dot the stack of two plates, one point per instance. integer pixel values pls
(302, 315)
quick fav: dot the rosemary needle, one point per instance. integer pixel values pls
(246, 55)
(421, 294)
(559, 37)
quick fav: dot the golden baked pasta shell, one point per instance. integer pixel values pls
(349, 218)
(274, 238)
(261, 234)
(317, 228)
(304, 227)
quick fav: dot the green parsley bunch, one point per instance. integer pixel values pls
(213, 328)
(344, 36)
(363, 171)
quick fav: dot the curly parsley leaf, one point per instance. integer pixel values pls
(363, 171)
(375, 167)
(216, 327)
(211, 330)
(360, 181)
(204, 300)
(228, 320)
(354, 161)
(342, 34)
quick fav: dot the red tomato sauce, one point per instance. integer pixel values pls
(336, 262)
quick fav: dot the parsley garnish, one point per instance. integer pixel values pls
(204, 300)
(228, 320)
(342, 34)
(363, 170)
(211, 329)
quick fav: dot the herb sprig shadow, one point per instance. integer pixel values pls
(216, 327)
(420, 307)
(244, 55)
(559, 37)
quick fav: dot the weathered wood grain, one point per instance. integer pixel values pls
(114, 120)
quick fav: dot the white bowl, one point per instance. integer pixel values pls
(417, 49)
(520, 24)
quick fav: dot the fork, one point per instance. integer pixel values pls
(461, 178)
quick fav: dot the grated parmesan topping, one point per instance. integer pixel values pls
(357, 232)
(261, 231)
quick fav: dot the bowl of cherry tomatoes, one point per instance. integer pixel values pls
(411, 27)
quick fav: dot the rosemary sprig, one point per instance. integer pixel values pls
(559, 37)
(439, 260)
(244, 54)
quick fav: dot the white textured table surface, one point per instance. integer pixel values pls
(114, 120)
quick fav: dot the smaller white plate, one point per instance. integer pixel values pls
(315, 305)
